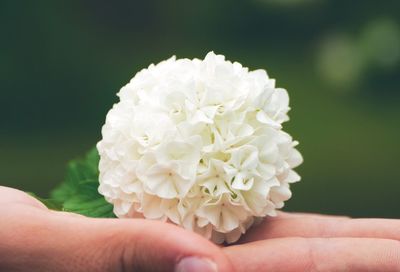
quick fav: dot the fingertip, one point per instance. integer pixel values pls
(195, 264)
(192, 251)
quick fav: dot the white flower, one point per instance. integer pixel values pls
(199, 143)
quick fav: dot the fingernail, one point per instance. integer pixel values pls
(194, 264)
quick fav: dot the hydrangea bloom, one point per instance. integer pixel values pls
(199, 143)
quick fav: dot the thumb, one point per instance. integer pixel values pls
(36, 239)
(140, 245)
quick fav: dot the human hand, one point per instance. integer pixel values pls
(36, 239)
(33, 238)
(309, 242)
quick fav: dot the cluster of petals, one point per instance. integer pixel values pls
(199, 143)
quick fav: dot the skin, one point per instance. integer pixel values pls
(309, 242)
(33, 238)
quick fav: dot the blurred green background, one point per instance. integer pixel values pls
(62, 62)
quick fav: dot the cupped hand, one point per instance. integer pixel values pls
(33, 238)
(309, 242)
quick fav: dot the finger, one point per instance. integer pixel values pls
(308, 215)
(317, 254)
(11, 195)
(63, 214)
(85, 244)
(315, 226)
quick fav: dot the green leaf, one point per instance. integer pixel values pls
(79, 191)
